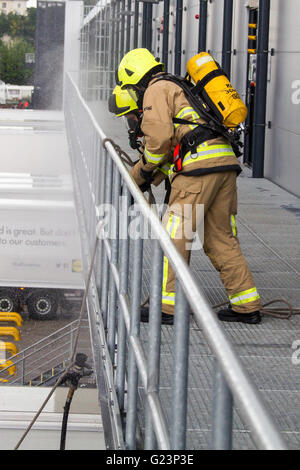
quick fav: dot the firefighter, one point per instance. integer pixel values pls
(205, 178)
(122, 105)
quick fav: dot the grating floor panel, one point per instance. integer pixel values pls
(265, 350)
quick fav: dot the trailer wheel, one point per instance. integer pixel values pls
(42, 306)
(9, 301)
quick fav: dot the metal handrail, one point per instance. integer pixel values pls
(231, 379)
(34, 352)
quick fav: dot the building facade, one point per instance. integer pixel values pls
(14, 6)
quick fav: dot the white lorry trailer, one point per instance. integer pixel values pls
(40, 255)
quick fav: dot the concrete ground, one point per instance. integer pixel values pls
(268, 226)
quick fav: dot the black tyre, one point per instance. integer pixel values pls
(42, 306)
(9, 301)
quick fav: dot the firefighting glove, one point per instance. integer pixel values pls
(145, 186)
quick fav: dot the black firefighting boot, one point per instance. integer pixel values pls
(227, 314)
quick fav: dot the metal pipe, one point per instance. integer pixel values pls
(222, 412)
(227, 37)
(178, 37)
(114, 236)
(259, 126)
(104, 283)
(180, 369)
(122, 36)
(128, 27)
(153, 366)
(149, 27)
(165, 53)
(112, 45)
(124, 266)
(202, 26)
(136, 24)
(144, 25)
(117, 31)
(136, 286)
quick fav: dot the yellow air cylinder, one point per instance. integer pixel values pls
(220, 92)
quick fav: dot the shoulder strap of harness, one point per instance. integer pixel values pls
(213, 124)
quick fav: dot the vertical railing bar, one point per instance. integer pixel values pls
(114, 259)
(100, 203)
(154, 338)
(222, 411)
(128, 27)
(124, 267)
(180, 369)
(105, 267)
(136, 285)
(136, 24)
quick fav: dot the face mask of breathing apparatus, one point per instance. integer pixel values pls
(134, 131)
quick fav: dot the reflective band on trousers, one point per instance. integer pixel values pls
(153, 157)
(244, 297)
(172, 226)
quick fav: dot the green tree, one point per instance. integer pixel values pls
(19, 26)
(30, 25)
(13, 68)
(15, 24)
(4, 24)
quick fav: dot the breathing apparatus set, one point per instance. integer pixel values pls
(210, 94)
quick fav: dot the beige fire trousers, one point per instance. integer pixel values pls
(208, 204)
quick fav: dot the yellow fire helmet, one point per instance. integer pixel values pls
(120, 102)
(135, 66)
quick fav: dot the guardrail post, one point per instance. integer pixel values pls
(100, 182)
(114, 260)
(136, 24)
(136, 287)
(104, 283)
(166, 33)
(180, 368)
(222, 411)
(124, 266)
(154, 339)
(128, 26)
(178, 37)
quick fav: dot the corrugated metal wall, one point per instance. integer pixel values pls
(282, 163)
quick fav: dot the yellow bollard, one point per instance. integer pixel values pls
(10, 331)
(10, 347)
(12, 368)
(11, 316)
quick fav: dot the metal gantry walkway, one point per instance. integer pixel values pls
(268, 228)
(269, 233)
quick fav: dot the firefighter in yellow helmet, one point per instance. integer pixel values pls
(206, 177)
(121, 104)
